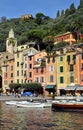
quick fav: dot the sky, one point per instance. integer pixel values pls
(17, 8)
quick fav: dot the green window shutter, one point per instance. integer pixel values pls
(74, 57)
(48, 60)
(68, 58)
(53, 60)
(61, 80)
(61, 68)
(82, 55)
(71, 79)
(61, 58)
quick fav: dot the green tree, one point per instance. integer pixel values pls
(58, 13)
(67, 12)
(81, 4)
(72, 8)
(36, 35)
(49, 41)
(39, 18)
(62, 12)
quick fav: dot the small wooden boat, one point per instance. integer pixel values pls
(67, 106)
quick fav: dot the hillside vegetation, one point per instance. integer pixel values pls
(42, 27)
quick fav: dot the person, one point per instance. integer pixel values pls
(31, 100)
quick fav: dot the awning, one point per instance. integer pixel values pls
(50, 86)
(70, 88)
(61, 88)
(7, 88)
(79, 88)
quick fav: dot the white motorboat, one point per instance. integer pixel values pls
(35, 104)
(31, 105)
(15, 102)
(11, 102)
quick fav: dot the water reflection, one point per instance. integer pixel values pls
(13, 118)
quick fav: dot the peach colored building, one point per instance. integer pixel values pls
(11, 70)
(51, 73)
(67, 37)
(30, 74)
(7, 70)
(39, 69)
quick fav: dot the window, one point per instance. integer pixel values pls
(61, 58)
(61, 79)
(17, 73)
(17, 64)
(30, 58)
(11, 81)
(17, 80)
(82, 66)
(68, 58)
(71, 79)
(21, 72)
(42, 70)
(48, 60)
(42, 79)
(25, 65)
(30, 74)
(17, 55)
(21, 66)
(11, 67)
(36, 70)
(82, 77)
(22, 81)
(61, 68)
(24, 73)
(11, 74)
(82, 56)
(74, 57)
(71, 67)
(29, 81)
(51, 78)
(25, 58)
(51, 68)
(53, 60)
(30, 66)
(36, 79)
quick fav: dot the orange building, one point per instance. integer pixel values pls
(7, 70)
(51, 73)
(30, 74)
(39, 69)
(67, 37)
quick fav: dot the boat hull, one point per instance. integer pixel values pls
(67, 107)
(30, 105)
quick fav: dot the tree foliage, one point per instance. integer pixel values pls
(42, 26)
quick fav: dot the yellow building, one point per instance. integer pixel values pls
(67, 71)
(61, 72)
(19, 77)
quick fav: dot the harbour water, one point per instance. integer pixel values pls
(13, 118)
